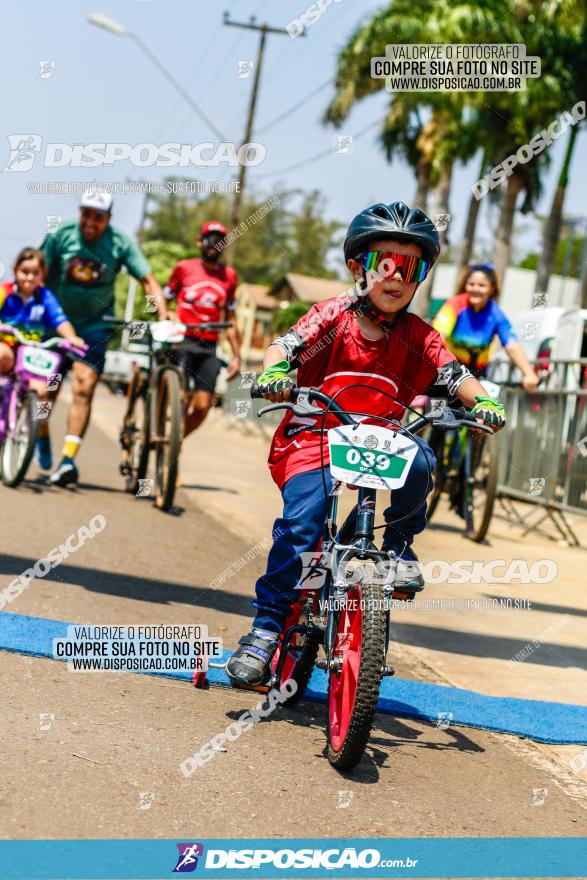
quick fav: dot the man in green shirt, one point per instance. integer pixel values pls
(83, 258)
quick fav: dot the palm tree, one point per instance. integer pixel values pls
(551, 31)
(572, 57)
(552, 227)
(466, 248)
(403, 122)
(429, 130)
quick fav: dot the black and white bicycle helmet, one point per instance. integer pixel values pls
(396, 221)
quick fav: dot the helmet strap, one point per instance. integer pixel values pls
(365, 307)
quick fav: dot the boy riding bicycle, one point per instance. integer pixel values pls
(373, 342)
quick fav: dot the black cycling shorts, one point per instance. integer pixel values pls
(200, 365)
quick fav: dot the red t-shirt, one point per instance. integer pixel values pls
(203, 295)
(337, 356)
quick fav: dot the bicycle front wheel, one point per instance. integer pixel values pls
(481, 475)
(353, 687)
(168, 425)
(19, 443)
(135, 434)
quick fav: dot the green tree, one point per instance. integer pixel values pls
(162, 257)
(286, 318)
(310, 237)
(177, 216)
(292, 236)
(568, 251)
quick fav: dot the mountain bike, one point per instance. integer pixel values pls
(154, 412)
(467, 471)
(348, 614)
(20, 407)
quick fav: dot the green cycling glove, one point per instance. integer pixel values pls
(275, 379)
(491, 411)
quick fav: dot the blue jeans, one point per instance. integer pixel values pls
(302, 525)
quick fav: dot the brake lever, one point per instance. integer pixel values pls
(449, 422)
(479, 426)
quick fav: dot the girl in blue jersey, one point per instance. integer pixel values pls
(470, 321)
(28, 305)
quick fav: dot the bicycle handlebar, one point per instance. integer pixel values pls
(458, 418)
(54, 342)
(207, 325)
(14, 331)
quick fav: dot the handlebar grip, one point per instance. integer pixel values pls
(256, 392)
(209, 325)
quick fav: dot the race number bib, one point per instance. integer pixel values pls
(39, 361)
(371, 456)
(167, 331)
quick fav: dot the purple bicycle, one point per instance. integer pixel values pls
(20, 408)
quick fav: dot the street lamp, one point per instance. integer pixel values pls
(107, 23)
(114, 27)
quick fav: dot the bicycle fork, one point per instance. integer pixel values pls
(337, 586)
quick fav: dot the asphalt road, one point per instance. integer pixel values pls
(108, 766)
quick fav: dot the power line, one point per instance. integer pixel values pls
(279, 67)
(295, 107)
(318, 156)
(232, 50)
(196, 68)
(178, 86)
(263, 30)
(223, 63)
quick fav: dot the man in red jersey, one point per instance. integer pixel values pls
(204, 289)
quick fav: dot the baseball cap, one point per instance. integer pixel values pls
(97, 200)
(213, 226)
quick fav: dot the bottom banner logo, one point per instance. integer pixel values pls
(187, 859)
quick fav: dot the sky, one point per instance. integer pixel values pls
(102, 88)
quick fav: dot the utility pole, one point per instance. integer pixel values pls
(143, 220)
(264, 29)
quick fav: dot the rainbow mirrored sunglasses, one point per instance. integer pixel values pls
(411, 268)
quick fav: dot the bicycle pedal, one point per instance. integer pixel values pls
(258, 688)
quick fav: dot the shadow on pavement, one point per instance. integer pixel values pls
(550, 609)
(141, 588)
(201, 488)
(396, 733)
(480, 645)
(444, 527)
(40, 486)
